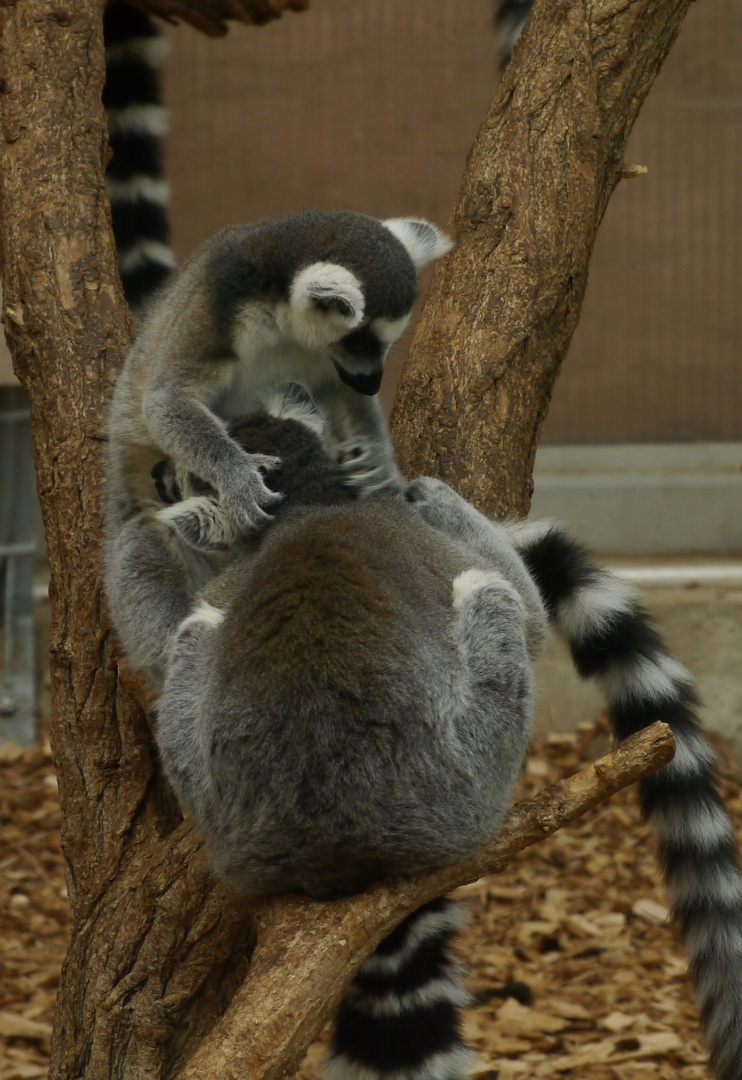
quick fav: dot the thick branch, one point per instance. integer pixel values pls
(307, 953)
(503, 306)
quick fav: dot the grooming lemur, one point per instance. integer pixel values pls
(314, 298)
(351, 697)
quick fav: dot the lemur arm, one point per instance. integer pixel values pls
(184, 427)
(488, 544)
(360, 441)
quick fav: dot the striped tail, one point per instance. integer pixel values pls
(510, 18)
(611, 639)
(399, 1020)
(137, 124)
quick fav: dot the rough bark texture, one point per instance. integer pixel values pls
(503, 305)
(158, 948)
(273, 1018)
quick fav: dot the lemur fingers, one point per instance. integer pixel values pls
(245, 495)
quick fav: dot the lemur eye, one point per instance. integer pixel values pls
(324, 303)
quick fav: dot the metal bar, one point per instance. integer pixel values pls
(14, 551)
(8, 621)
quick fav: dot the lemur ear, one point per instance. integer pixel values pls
(328, 287)
(424, 242)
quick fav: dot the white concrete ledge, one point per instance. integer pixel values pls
(641, 499)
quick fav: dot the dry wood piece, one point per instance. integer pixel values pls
(212, 16)
(272, 1019)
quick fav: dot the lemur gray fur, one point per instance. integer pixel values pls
(314, 298)
(386, 741)
(351, 698)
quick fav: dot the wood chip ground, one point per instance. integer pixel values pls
(575, 929)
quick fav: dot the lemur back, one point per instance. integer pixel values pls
(361, 719)
(342, 704)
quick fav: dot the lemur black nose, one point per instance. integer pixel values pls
(363, 382)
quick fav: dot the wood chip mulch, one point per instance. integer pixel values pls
(572, 967)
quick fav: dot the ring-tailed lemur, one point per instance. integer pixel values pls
(314, 298)
(351, 698)
(137, 124)
(296, 601)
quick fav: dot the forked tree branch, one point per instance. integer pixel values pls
(158, 948)
(307, 952)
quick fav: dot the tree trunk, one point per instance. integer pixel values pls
(504, 304)
(158, 947)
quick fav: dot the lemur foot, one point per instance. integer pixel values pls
(201, 522)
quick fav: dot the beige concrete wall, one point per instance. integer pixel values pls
(373, 105)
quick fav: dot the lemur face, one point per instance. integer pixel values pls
(359, 356)
(339, 285)
(327, 313)
(354, 315)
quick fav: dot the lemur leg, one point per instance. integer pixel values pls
(181, 730)
(488, 542)
(490, 622)
(186, 430)
(151, 581)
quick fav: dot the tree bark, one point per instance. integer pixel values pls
(504, 304)
(159, 948)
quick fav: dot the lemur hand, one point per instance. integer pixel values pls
(244, 493)
(368, 467)
(440, 506)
